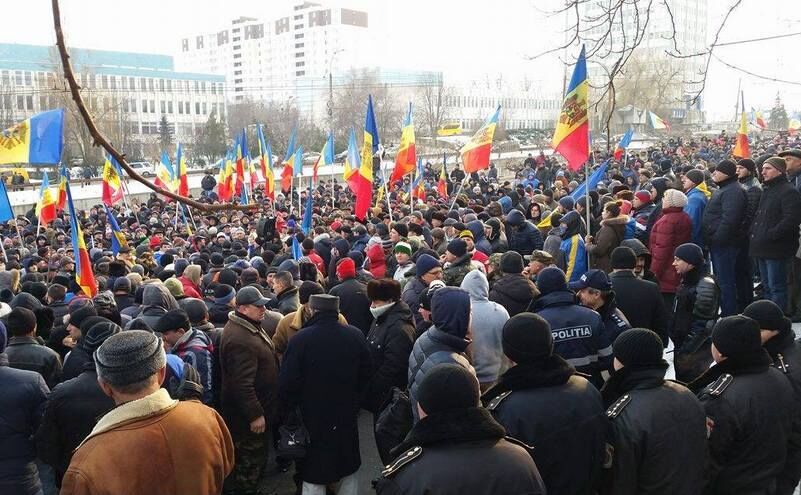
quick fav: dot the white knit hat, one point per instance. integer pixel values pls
(674, 198)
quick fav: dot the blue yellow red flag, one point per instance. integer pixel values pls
(6, 212)
(624, 143)
(364, 187)
(112, 186)
(657, 122)
(183, 180)
(352, 163)
(63, 178)
(83, 266)
(326, 156)
(165, 175)
(571, 137)
(46, 207)
(266, 161)
(476, 153)
(38, 139)
(118, 239)
(407, 154)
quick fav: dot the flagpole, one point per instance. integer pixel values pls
(3, 247)
(386, 190)
(456, 196)
(177, 205)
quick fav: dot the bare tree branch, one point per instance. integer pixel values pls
(100, 140)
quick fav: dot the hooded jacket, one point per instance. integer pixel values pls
(523, 236)
(573, 253)
(513, 291)
(479, 239)
(444, 342)
(195, 348)
(156, 301)
(611, 234)
(487, 351)
(696, 204)
(673, 229)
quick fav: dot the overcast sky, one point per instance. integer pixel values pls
(461, 37)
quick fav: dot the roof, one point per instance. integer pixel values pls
(45, 58)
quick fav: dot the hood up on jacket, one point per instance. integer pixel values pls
(477, 229)
(476, 285)
(450, 311)
(158, 296)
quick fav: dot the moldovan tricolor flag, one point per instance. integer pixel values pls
(183, 180)
(326, 157)
(165, 175)
(266, 160)
(38, 139)
(63, 177)
(289, 163)
(407, 156)
(476, 153)
(352, 163)
(442, 185)
(572, 135)
(741, 147)
(118, 239)
(657, 122)
(83, 266)
(112, 186)
(624, 143)
(46, 207)
(364, 194)
(759, 120)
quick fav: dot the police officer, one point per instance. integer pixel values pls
(658, 439)
(578, 332)
(748, 405)
(457, 447)
(594, 290)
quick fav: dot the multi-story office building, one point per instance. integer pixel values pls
(126, 92)
(265, 58)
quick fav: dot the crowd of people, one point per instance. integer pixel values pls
(515, 337)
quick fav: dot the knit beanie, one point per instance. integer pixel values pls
(643, 196)
(551, 279)
(223, 294)
(623, 258)
(736, 335)
(457, 247)
(401, 228)
(98, 333)
(403, 247)
(173, 320)
(778, 163)
(638, 347)
(195, 309)
(228, 277)
(308, 289)
(674, 198)
(690, 253)
(129, 357)
(447, 387)
(567, 203)
(768, 315)
(346, 268)
(727, 167)
(21, 321)
(179, 266)
(526, 338)
(425, 263)
(77, 316)
(174, 286)
(88, 323)
(122, 284)
(695, 176)
(511, 262)
(748, 164)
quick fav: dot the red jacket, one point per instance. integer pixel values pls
(318, 262)
(671, 230)
(378, 265)
(190, 289)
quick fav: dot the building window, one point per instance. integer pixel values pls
(150, 84)
(163, 107)
(204, 109)
(20, 102)
(29, 102)
(237, 64)
(300, 73)
(199, 42)
(125, 106)
(300, 54)
(298, 26)
(180, 108)
(169, 85)
(222, 38)
(299, 45)
(237, 55)
(237, 81)
(237, 47)
(42, 103)
(320, 18)
(197, 87)
(161, 85)
(203, 87)
(213, 89)
(300, 64)
(185, 45)
(124, 82)
(104, 82)
(133, 105)
(298, 17)
(144, 106)
(28, 79)
(152, 106)
(299, 36)
(18, 77)
(197, 108)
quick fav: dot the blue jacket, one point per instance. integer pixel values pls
(479, 239)
(523, 236)
(574, 254)
(579, 335)
(23, 397)
(696, 202)
(196, 349)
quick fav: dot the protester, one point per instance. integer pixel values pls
(24, 352)
(486, 352)
(673, 229)
(612, 232)
(427, 269)
(353, 301)
(513, 290)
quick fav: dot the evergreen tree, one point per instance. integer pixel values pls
(165, 132)
(778, 115)
(210, 139)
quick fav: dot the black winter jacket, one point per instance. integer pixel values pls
(753, 192)
(774, 231)
(75, 362)
(695, 309)
(547, 405)
(390, 341)
(72, 411)
(354, 304)
(749, 404)
(457, 452)
(514, 292)
(658, 434)
(724, 213)
(525, 238)
(26, 353)
(411, 296)
(641, 302)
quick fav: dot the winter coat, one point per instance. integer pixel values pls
(578, 333)
(525, 237)
(123, 301)
(411, 296)
(218, 314)
(774, 231)
(753, 192)
(672, 230)
(190, 289)
(187, 449)
(286, 302)
(695, 309)
(354, 304)
(26, 353)
(249, 374)
(641, 219)
(457, 452)
(515, 292)
(547, 405)
(611, 234)
(641, 302)
(156, 301)
(658, 434)
(390, 341)
(724, 214)
(430, 349)
(72, 411)
(573, 257)
(23, 395)
(454, 272)
(328, 364)
(552, 243)
(195, 348)
(401, 271)
(76, 361)
(749, 404)
(696, 203)
(476, 227)
(614, 320)
(291, 325)
(378, 264)
(490, 317)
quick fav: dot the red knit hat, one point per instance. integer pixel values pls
(346, 268)
(155, 242)
(643, 196)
